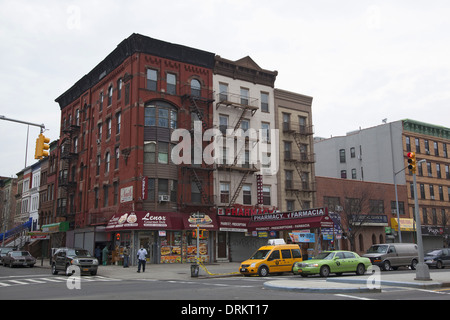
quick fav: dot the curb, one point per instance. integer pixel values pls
(312, 289)
(422, 285)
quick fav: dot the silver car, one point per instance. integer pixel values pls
(19, 258)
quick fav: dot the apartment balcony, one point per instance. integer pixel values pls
(237, 101)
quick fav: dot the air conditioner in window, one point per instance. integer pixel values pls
(164, 198)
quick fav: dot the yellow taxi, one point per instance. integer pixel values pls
(277, 258)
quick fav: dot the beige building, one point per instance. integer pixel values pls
(297, 188)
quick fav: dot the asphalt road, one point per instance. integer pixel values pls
(226, 294)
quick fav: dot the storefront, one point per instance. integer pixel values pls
(407, 228)
(303, 227)
(168, 237)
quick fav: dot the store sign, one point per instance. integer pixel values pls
(126, 194)
(302, 237)
(144, 188)
(139, 220)
(243, 212)
(373, 220)
(290, 215)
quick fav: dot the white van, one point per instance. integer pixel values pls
(393, 255)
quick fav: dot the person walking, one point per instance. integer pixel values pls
(142, 256)
(126, 256)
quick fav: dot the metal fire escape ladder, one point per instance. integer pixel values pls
(239, 188)
(199, 113)
(198, 183)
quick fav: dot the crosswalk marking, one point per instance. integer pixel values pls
(42, 280)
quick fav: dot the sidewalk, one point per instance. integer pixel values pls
(344, 284)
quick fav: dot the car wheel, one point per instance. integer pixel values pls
(263, 271)
(325, 271)
(386, 265)
(413, 264)
(54, 271)
(360, 269)
(439, 265)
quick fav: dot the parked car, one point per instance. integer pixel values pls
(438, 258)
(18, 258)
(393, 255)
(332, 262)
(3, 252)
(63, 258)
(271, 259)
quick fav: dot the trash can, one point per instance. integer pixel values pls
(194, 270)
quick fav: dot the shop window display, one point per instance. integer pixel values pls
(181, 246)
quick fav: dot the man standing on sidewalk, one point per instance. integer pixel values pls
(142, 256)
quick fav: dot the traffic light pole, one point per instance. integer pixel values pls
(42, 126)
(422, 271)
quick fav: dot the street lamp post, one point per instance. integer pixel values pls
(422, 271)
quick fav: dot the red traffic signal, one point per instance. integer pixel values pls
(411, 161)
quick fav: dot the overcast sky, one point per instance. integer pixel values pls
(361, 61)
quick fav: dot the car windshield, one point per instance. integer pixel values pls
(324, 256)
(378, 249)
(78, 252)
(19, 253)
(260, 254)
(434, 253)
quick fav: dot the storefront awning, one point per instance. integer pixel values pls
(142, 220)
(56, 227)
(306, 219)
(405, 224)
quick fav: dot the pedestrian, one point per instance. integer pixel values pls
(105, 255)
(142, 256)
(126, 256)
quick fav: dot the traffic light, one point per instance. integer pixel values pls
(411, 161)
(41, 147)
(118, 237)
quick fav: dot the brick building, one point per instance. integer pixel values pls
(115, 146)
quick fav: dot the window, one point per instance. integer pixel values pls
(436, 149)
(286, 121)
(171, 84)
(161, 114)
(223, 92)
(96, 198)
(264, 102)
(343, 174)
(376, 206)
(149, 152)
(245, 125)
(224, 192)
(342, 155)
(247, 194)
(401, 207)
(152, 78)
(244, 96)
(195, 88)
(290, 205)
(196, 196)
(289, 176)
(352, 152)
(354, 174)
(97, 171)
(105, 196)
(408, 144)
(163, 187)
(265, 131)
(99, 131)
(417, 145)
(163, 152)
(107, 161)
(110, 94)
(119, 88)
(108, 128)
(117, 155)
(223, 124)
(287, 150)
(266, 195)
(116, 192)
(101, 98)
(118, 122)
(151, 189)
(286, 254)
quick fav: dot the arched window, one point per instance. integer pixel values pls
(195, 88)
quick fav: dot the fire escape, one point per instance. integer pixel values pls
(245, 106)
(302, 163)
(66, 177)
(198, 101)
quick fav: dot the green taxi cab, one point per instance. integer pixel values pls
(336, 262)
